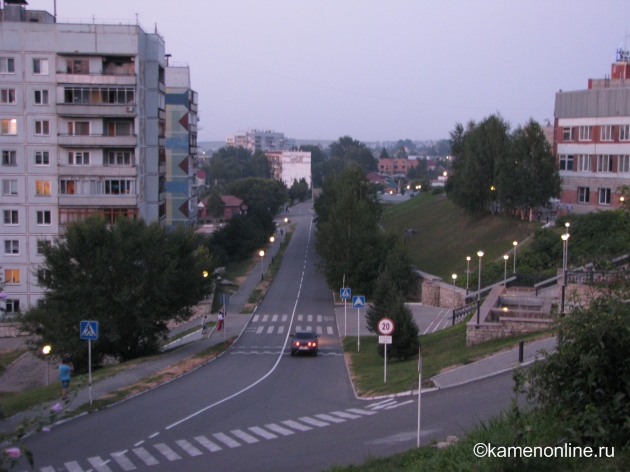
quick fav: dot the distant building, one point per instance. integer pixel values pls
(591, 140)
(233, 206)
(391, 165)
(260, 140)
(288, 166)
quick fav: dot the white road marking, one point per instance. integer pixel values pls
(281, 330)
(361, 412)
(300, 318)
(319, 330)
(343, 414)
(209, 445)
(319, 318)
(145, 456)
(313, 421)
(255, 318)
(329, 330)
(265, 318)
(98, 464)
(225, 439)
(399, 404)
(73, 466)
(123, 461)
(332, 419)
(277, 429)
(189, 448)
(274, 318)
(309, 318)
(260, 329)
(167, 452)
(270, 329)
(262, 432)
(285, 318)
(248, 438)
(296, 425)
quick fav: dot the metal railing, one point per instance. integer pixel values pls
(462, 312)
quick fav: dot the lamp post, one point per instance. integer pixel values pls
(272, 239)
(515, 243)
(262, 264)
(480, 254)
(453, 303)
(467, 271)
(45, 351)
(565, 257)
(505, 259)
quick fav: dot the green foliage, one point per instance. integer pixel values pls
(260, 195)
(233, 163)
(216, 205)
(299, 190)
(585, 384)
(130, 277)
(242, 235)
(351, 151)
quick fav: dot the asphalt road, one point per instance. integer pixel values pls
(257, 408)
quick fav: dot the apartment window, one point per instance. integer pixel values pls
(12, 276)
(68, 187)
(79, 128)
(624, 133)
(604, 196)
(624, 164)
(42, 158)
(106, 95)
(7, 65)
(7, 96)
(8, 127)
(585, 133)
(9, 187)
(44, 218)
(42, 128)
(41, 97)
(118, 158)
(79, 158)
(10, 217)
(11, 246)
(40, 66)
(118, 187)
(12, 305)
(42, 187)
(78, 66)
(120, 128)
(584, 163)
(567, 133)
(584, 194)
(9, 158)
(606, 133)
(42, 245)
(604, 163)
(566, 162)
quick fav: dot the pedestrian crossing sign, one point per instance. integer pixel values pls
(358, 301)
(345, 293)
(88, 330)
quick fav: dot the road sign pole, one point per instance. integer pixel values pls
(358, 331)
(90, 369)
(419, 390)
(345, 317)
(385, 366)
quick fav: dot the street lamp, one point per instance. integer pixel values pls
(45, 351)
(515, 243)
(480, 254)
(453, 303)
(467, 271)
(272, 239)
(505, 259)
(565, 259)
(262, 264)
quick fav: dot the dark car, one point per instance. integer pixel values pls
(304, 341)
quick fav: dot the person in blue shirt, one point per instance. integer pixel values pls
(64, 376)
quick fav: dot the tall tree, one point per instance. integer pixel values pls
(130, 277)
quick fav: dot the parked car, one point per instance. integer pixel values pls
(304, 341)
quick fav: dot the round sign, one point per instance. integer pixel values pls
(385, 326)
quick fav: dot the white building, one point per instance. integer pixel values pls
(82, 131)
(290, 165)
(260, 140)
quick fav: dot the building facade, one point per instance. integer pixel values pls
(288, 166)
(398, 166)
(260, 140)
(591, 141)
(82, 131)
(181, 148)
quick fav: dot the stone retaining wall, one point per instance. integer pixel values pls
(10, 330)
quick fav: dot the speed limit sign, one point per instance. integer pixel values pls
(385, 326)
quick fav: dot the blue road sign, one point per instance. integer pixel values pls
(88, 330)
(345, 293)
(358, 301)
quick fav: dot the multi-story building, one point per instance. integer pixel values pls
(181, 147)
(591, 140)
(290, 165)
(82, 131)
(398, 166)
(260, 140)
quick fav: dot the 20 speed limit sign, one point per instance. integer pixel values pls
(385, 326)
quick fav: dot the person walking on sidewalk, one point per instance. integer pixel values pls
(204, 326)
(64, 376)
(220, 322)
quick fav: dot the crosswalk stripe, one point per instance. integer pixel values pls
(261, 432)
(225, 439)
(265, 318)
(98, 464)
(260, 329)
(248, 438)
(280, 329)
(329, 330)
(384, 405)
(123, 461)
(300, 317)
(361, 412)
(270, 330)
(343, 414)
(255, 318)
(189, 448)
(285, 318)
(313, 421)
(319, 318)
(73, 466)
(330, 418)
(309, 318)
(296, 425)
(274, 318)
(276, 428)
(309, 328)
(47, 469)
(145, 456)
(167, 452)
(319, 330)
(209, 445)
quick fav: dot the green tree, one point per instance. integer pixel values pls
(351, 151)
(130, 277)
(216, 205)
(299, 190)
(259, 194)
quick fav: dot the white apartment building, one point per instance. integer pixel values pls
(288, 166)
(592, 140)
(259, 140)
(82, 131)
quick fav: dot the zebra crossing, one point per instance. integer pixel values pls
(142, 454)
(279, 324)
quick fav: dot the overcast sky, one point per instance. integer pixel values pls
(374, 69)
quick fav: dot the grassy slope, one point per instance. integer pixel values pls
(446, 234)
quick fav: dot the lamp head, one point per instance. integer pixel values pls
(480, 254)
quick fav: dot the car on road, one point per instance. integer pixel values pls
(304, 341)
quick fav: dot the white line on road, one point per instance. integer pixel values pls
(276, 428)
(167, 452)
(225, 439)
(189, 448)
(209, 445)
(145, 456)
(98, 464)
(296, 425)
(262, 432)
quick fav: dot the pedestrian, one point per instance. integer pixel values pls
(65, 368)
(220, 322)
(204, 326)
(569, 208)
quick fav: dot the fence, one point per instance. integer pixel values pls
(462, 312)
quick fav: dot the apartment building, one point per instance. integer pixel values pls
(591, 140)
(290, 166)
(181, 147)
(82, 131)
(260, 140)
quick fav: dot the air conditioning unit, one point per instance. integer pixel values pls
(130, 109)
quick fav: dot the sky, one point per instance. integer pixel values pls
(375, 70)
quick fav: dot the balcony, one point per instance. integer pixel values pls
(97, 171)
(98, 200)
(95, 79)
(83, 109)
(97, 141)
